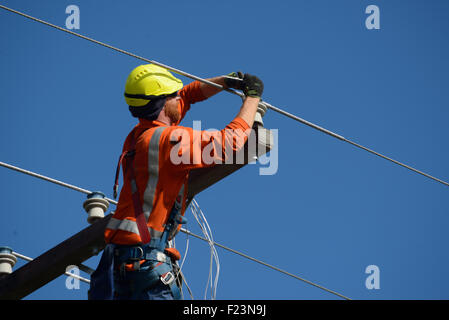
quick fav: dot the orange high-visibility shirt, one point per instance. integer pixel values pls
(164, 156)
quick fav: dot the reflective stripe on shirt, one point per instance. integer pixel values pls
(130, 226)
(153, 171)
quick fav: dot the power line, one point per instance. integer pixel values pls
(33, 174)
(268, 265)
(263, 103)
(23, 257)
(39, 176)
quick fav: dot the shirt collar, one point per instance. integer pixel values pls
(150, 123)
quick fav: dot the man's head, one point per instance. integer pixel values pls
(149, 90)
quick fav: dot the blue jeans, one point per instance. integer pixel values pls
(159, 291)
(144, 284)
(109, 283)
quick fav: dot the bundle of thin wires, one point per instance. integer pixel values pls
(205, 228)
(179, 272)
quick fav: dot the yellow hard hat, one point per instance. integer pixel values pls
(147, 82)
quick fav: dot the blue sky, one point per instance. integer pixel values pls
(330, 210)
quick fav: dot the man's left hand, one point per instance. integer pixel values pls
(234, 80)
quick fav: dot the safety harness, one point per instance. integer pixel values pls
(149, 261)
(129, 173)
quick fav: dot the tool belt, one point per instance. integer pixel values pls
(131, 257)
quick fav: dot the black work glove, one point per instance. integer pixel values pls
(234, 80)
(252, 86)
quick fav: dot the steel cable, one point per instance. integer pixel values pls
(23, 257)
(265, 104)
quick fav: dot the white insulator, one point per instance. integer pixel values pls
(258, 119)
(7, 260)
(95, 206)
(261, 110)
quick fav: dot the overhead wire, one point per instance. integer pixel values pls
(33, 174)
(55, 181)
(263, 103)
(23, 257)
(273, 267)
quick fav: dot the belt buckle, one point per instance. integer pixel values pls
(167, 278)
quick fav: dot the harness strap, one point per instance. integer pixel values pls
(138, 211)
(117, 172)
(129, 173)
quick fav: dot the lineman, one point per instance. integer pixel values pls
(138, 261)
